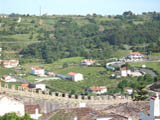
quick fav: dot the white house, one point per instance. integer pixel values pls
(97, 89)
(129, 90)
(37, 71)
(33, 111)
(0, 49)
(10, 63)
(8, 105)
(87, 62)
(135, 56)
(7, 78)
(154, 109)
(41, 86)
(125, 72)
(75, 76)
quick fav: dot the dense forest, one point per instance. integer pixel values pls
(93, 36)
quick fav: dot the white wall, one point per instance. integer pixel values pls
(8, 105)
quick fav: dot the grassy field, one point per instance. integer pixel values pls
(93, 76)
(154, 65)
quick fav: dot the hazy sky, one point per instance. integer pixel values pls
(83, 7)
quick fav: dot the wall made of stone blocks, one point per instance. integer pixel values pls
(47, 93)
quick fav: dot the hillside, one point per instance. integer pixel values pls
(92, 36)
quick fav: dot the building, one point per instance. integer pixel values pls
(75, 76)
(52, 74)
(7, 78)
(10, 63)
(129, 90)
(41, 86)
(87, 62)
(33, 111)
(98, 90)
(0, 49)
(8, 105)
(125, 72)
(154, 109)
(135, 56)
(37, 71)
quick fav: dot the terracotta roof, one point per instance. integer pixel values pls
(30, 109)
(96, 88)
(135, 53)
(72, 73)
(37, 68)
(4, 76)
(24, 85)
(88, 60)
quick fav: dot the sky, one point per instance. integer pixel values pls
(78, 7)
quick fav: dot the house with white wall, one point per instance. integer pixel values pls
(98, 89)
(135, 56)
(33, 111)
(10, 63)
(8, 105)
(7, 78)
(87, 62)
(154, 109)
(129, 90)
(125, 72)
(75, 76)
(41, 86)
(37, 71)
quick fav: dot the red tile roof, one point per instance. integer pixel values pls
(4, 76)
(72, 73)
(25, 85)
(135, 53)
(96, 88)
(37, 68)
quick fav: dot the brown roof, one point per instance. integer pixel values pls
(30, 109)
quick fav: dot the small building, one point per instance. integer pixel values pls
(87, 62)
(125, 72)
(7, 78)
(98, 89)
(135, 56)
(52, 74)
(9, 104)
(41, 86)
(154, 109)
(75, 76)
(10, 63)
(37, 71)
(33, 111)
(129, 90)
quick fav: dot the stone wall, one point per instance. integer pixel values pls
(49, 95)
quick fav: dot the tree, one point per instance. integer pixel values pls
(65, 65)
(13, 116)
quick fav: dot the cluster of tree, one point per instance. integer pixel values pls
(139, 86)
(13, 116)
(96, 38)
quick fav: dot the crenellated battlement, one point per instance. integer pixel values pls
(61, 96)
